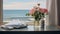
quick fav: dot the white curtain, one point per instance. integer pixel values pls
(52, 15)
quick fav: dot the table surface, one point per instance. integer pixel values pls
(32, 28)
(29, 28)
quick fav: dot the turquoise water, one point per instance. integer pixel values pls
(15, 14)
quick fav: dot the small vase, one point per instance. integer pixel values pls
(42, 23)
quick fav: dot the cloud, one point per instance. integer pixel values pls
(20, 5)
(5, 0)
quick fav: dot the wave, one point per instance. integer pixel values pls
(26, 19)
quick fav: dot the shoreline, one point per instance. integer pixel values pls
(29, 23)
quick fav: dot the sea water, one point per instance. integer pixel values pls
(9, 15)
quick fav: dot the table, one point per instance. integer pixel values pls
(36, 28)
(29, 28)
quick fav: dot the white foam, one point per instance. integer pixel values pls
(15, 22)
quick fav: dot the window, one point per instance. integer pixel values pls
(18, 8)
(5, 16)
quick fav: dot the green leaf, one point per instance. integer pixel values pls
(27, 14)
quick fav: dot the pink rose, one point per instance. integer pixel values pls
(42, 10)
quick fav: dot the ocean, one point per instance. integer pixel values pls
(16, 14)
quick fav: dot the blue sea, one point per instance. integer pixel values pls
(15, 14)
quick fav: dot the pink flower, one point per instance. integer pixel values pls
(42, 10)
(32, 11)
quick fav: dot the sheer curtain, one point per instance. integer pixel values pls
(51, 19)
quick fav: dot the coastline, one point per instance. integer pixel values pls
(29, 23)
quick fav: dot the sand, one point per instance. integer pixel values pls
(29, 23)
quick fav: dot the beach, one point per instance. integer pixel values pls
(29, 23)
(9, 15)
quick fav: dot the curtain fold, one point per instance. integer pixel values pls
(1, 14)
(52, 12)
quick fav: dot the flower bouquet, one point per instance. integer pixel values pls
(38, 15)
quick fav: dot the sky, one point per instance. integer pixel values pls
(22, 4)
